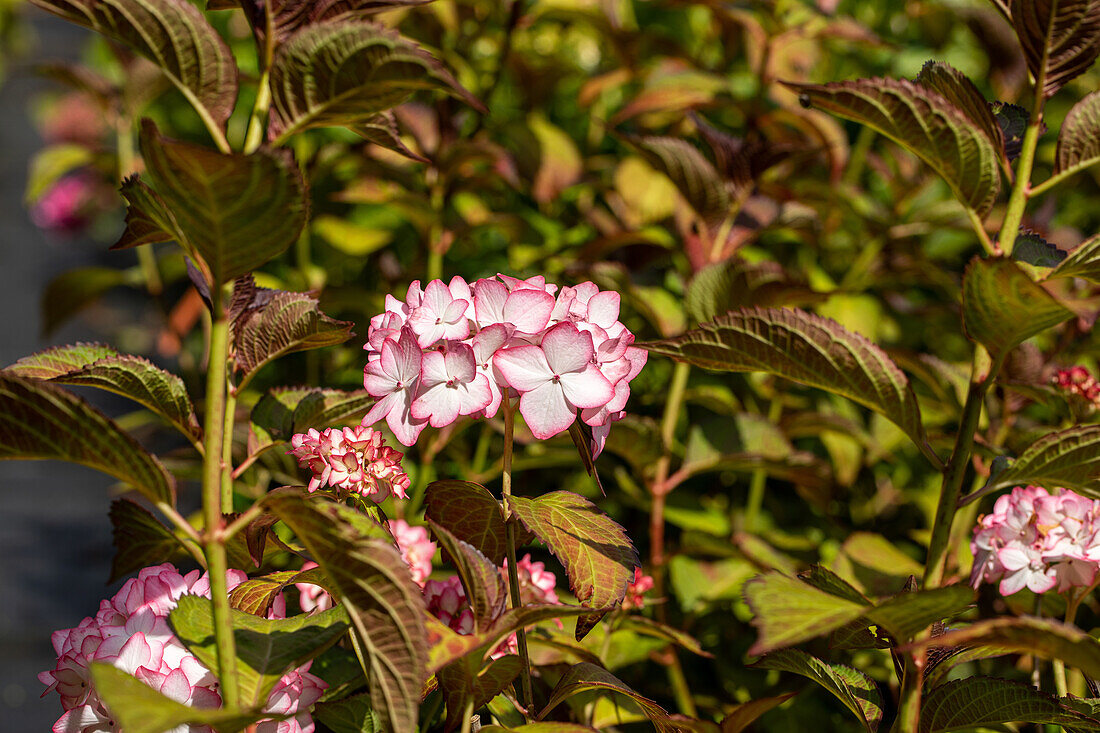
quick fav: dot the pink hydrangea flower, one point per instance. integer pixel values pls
(1039, 541)
(131, 632)
(446, 600)
(312, 598)
(1078, 384)
(536, 583)
(416, 547)
(351, 459)
(557, 354)
(69, 205)
(635, 591)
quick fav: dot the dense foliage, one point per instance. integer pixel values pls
(766, 329)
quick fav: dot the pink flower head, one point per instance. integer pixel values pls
(394, 379)
(417, 549)
(450, 385)
(1079, 386)
(636, 590)
(131, 632)
(441, 313)
(352, 459)
(446, 600)
(554, 379)
(536, 584)
(312, 598)
(526, 310)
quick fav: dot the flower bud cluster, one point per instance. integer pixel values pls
(1078, 383)
(131, 632)
(452, 349)
(635, 591)
(352, 459)
(1037, 540)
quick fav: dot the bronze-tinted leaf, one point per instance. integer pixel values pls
(585, 676)
(858, 692)
(957, 88)
(1079, 136)
(986, 701)
(1063, 459)
(1083, 262)
(139, 539)
(787, 611)
(471, 514)
(1060, 38)
(461, 683)
(481, 579)
(694, 176)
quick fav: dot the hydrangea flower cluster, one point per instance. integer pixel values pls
(1079, 383)
(1037, 540)
(635, 591)
(451, 349)
(131, 632)
(352, 459)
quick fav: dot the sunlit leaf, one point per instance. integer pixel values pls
(822, 578)
(1083, 262)
(347, 72)
(93, 365)
(471, 514)
(694, 176)
(174, 35)
(1064, 459)
(266, 648)
(804, 348)
(40, 420)
(725, 286)
(978, 701)
(256, 595)
(1003, 306)
(585, 676)
(746, 713)
(229, 212)
(139, 708)
(50, 164)
(373, 582)
(461, 684)
(1060, 38)
(957, 88)
(596, 552)
(139, 539)
(1079, 136)
(787, 611)
(560, 163)
(481, 578)
(924, 121)
(648, 627)
(907, 614)
(349, 715)
(857, 691)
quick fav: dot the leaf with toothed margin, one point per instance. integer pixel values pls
(858, 692)
(1003, 306)
(138, 708)
(1060, 38)
(266, 648)
(230, 212)
(286, 323)
(585, 676)
(957, 88)
(1079, 136)
(347, 72)
(804, 348)
(139, 539)
(986, 701)
(480, 578)
(930, 125)
(174, 35)
(382, 131)
(787, 611)
(471, 514)
(1012, 119)
(598, 556)
(1034, 250)
(373, 583)
(907, 614)
(94, 365)
(42, 421)
(1082, 262)
(693, 175)
(288, 16)
(1063, 459)
(461, 682)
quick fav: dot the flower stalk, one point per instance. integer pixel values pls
(513, 568)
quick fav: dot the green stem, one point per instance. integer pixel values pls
(979, 229)
(680, 688)
(227, 451)
(1058, 177)
(983, 372)
(510, 521)
(908, 719)
(760, 476)
(468, 715)
(1021, 190)
(255, 133)
(214, 543)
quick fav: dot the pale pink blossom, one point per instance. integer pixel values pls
(312, 598)
(441, 313)
(446, 600)
(536, 583)
(450, 385)
(394, 378)
(525, 310)
(416, 547)
(352, 459)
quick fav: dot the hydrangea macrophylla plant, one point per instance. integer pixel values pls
(1039, 541)
(131, 632)
(451, 349)
(351, 459)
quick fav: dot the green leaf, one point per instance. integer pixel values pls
(51, 163)
(857, 691)
(471, 514)
(924, 121)
(554, 727)
(975, 701)
(139, 708)
(804, 348)
(1003, 306)
(907, 614)
(956, 88)
(139, 540)
(598, 556)
(1079, 136)
(787, 611)
(1060, 38)
(42, 421)
(74, 290)
(288, 16)
(1034, 250)
(285, 322)
(346, 73)
(174, 35)
(1063, 459)
(725, 286)
(460, 683)
(350, 715)
(284, 411)
(1045, 638)
(1083, 262)
(584, 676)
(350, 238)
(266, 648)
(648, 627)
(746, 713)
(230, 212)
(481, 578)
(875, 564)
(94, 365)
(256, 595)
(822, 578)
(373, 582)
(693, 175)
